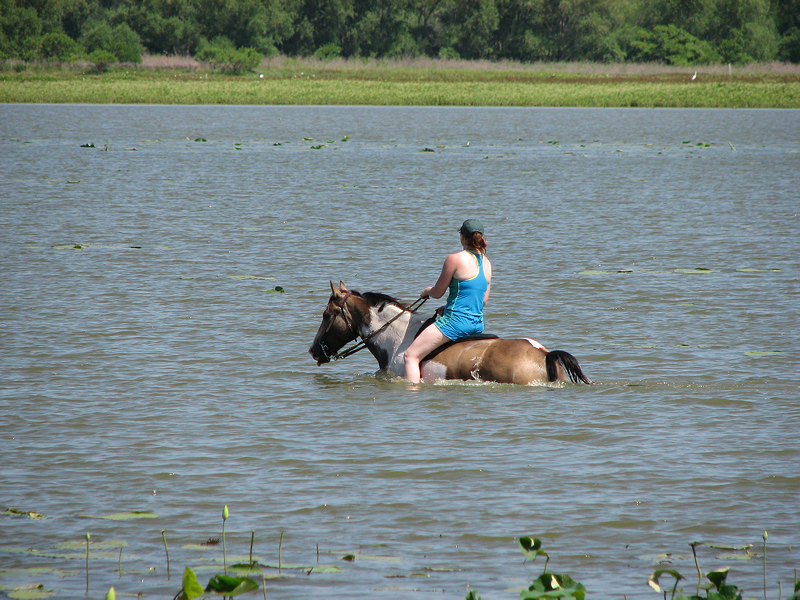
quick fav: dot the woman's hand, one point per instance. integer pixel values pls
(426, 293)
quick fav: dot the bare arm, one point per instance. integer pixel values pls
(440, 287)
(487, 271)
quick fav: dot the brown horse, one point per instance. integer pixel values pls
(386, 328)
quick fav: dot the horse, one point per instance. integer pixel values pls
(387, 327)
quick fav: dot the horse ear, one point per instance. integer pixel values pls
(342, 286)
(334, 289)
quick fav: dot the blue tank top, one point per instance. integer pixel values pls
(463, 313)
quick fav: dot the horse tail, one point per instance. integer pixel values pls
(568, 362)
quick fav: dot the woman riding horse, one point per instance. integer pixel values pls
(387, 328)
(468, 277)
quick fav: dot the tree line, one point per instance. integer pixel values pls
(676, 32)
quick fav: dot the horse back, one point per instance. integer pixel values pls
(501, 360)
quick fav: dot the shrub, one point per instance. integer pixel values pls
(328, 51)
(670, 44)
(101, 59)
(223, 55)
(59, 46)
(121, 41)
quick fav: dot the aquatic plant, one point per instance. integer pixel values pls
(166, 549)
(219, 584)
(547, 585)
(224, 558)
(718, 589)
(87, 561)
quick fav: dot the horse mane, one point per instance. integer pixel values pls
(379, 300)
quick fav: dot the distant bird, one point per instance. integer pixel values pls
(694, 76)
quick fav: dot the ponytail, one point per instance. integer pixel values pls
(478, 242)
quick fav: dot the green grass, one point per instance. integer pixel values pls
(294, 82)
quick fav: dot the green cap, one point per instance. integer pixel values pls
(470, 226)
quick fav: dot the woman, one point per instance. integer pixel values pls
(468, 276)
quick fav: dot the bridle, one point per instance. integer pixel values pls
(412, 308)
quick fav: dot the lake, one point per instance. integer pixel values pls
(165, 269)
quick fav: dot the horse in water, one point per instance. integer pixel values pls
(387, 327)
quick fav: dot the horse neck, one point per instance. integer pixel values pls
(390, 343)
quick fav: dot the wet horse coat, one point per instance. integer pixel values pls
(387, 328)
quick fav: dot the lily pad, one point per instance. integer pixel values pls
(200, 546)
(231, 586)
(81, 545)
(33, 591)
(36, 572)
(137, 514)
(276, 290)
(315, 568)
(25, 513)
(761, 352)
(756, 270)
(693, 271)
(594, 272)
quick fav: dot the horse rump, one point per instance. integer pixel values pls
(568, 362)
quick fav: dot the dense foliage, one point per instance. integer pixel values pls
(235, 34)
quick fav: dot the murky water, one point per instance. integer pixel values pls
(148, 364)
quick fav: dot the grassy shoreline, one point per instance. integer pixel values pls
(409, 83)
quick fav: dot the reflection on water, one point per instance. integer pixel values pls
(149, 365)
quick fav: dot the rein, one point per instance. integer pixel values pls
(413, 307)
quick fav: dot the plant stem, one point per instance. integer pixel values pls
(252, 539)
(264, 582)
(317, 552)
(87, 562)
(765, 565)
(166, 549)
(280, 553)
(697, 566)
(119, 563)
(224, 552)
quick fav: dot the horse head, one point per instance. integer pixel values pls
(337, 327)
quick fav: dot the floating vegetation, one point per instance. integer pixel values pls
(89, 145)
(319, 147)
(756, 270)
(248, 277)
(693, 271)
(345, 138)
(761, 352)
(137, 514)
(24, 513)
(427, 150)
(200, 139)
(33, 591)
(545, 586)
(276, 290)
(105, 545)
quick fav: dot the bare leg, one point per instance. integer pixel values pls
(427, 341)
